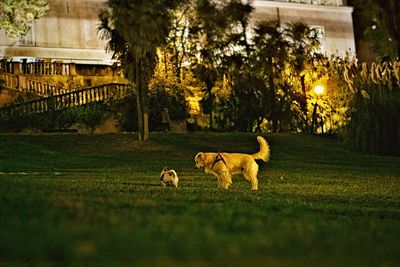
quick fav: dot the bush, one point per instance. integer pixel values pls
(126, 112)
(91, 116)
(374, 125)
(166, 95)
(162, 95)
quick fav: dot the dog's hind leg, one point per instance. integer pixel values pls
(250, 174)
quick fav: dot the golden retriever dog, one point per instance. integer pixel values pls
(224, 165)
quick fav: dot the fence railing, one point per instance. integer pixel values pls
(67, 100)
(35, 68)
(46, 68)
(11, 80)
(316, 2)
(44, 89)
(28, 85)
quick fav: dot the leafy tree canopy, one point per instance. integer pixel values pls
(377, 22)
(16, 15)
(134, 30)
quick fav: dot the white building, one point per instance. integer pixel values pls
(68, 32)
(332, 18)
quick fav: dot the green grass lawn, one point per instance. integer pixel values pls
(75, 198)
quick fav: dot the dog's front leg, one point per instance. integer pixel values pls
(226, 179)
(219, 180)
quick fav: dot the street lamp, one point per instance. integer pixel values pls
(318, 90)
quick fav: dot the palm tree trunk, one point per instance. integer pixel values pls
(304, 100)
(271, 84)
(211, 107)
(142, 108)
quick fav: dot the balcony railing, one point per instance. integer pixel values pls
(46, 68)
(35, 68)
(316, 2)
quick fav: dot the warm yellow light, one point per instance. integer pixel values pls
(319, 89)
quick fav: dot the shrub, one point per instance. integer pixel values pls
(166, 95)
(126, 112)
(374, 125)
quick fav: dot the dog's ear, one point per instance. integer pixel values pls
(200, 155)
(165, 168)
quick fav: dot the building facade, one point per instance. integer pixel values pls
(332, 18)
(68, 32)
(62, 48)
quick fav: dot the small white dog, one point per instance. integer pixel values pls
(169, 176)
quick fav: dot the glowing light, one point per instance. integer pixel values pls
(319, 89)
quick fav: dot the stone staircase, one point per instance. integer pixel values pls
(26, 84)
(50, 97)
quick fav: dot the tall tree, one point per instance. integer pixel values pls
(177, 48)
(377, 22)
(272, 55)
(16, 16)
(240, 76)
(238, 15)
(207, 28)
(217, 29)
(140, 27)
(304, 42)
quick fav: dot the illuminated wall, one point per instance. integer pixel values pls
(67, 32)
(333, 21)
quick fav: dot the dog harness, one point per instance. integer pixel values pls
(218, 158)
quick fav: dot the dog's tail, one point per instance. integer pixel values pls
(263, 154)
